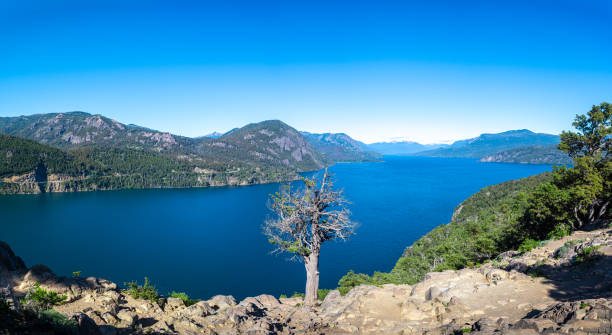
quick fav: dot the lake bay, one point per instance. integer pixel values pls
(208, 241)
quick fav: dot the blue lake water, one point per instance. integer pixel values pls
(209, 241)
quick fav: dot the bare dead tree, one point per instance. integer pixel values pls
(305, 218)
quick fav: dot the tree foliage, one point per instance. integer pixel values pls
(578, 196)
(306, 218)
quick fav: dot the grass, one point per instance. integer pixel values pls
(146, 291)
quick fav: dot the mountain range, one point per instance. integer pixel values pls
(514, 146)
(101, 153)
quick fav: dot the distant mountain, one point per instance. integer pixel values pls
(121, 156)
(489, 144)
(79, 129)
(214, 134)
(340, 147)
(30, 167)
(401, 148)
(265, 144)
(534, 154)
(270, 143)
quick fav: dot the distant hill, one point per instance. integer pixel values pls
(79, 129)
(265, 144)
(401, 148)
(109, 155)
(534, 154)
(489, 144)
(340, 147)
(214, 134)
(269, 143)
(31, 167)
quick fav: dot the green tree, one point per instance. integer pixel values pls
(580, 195)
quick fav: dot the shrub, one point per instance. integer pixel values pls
(564, 250)
(297, 295)
(282, 296)
(39, 299)
(183, 296)
(559, 231)
(147, 291)
(587, 255)
(528, 245)
(59, 323)
(323, 293)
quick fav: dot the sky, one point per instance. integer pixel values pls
(428, 71)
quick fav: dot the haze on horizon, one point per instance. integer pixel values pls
(376, 70)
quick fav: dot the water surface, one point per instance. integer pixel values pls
(208, 241)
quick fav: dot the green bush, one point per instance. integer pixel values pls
(323, 293)
(183, 296)
(297, 295)
(282, 296)
(559, 231)
(528, 245)
(59, 323)
(39, 299)
(147, 291)
(587, 256)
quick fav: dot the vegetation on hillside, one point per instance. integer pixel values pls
(489, 144)
(533, 154)
(341, 148)
(483, 226)
(517, 214)
(92, 152)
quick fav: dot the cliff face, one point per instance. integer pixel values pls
(564, 286)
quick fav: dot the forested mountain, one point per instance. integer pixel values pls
(488, 144)
(80, 151)
(340, 147)
(31, 167)
(535, 154)
(269, 143)
(401, 148)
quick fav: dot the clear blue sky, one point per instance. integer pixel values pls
(428, 71)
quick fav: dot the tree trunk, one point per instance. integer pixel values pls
(312, 278)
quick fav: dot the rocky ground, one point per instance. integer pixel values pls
(564, 286)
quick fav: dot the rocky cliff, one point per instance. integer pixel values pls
(564, 286)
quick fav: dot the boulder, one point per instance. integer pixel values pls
(127, 317)
(267, 300)
(173, 304)
(8, 260)
(222, 301)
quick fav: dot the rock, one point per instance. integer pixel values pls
(86, 325)
(222, 301)
(8, 260)
(109, 318)
(267, 300)
(495, 275)
(38, 273)
(173, 304)
(432, 293)
(127, 317)
(198, 310)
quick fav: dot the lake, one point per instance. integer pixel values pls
(208, 241)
